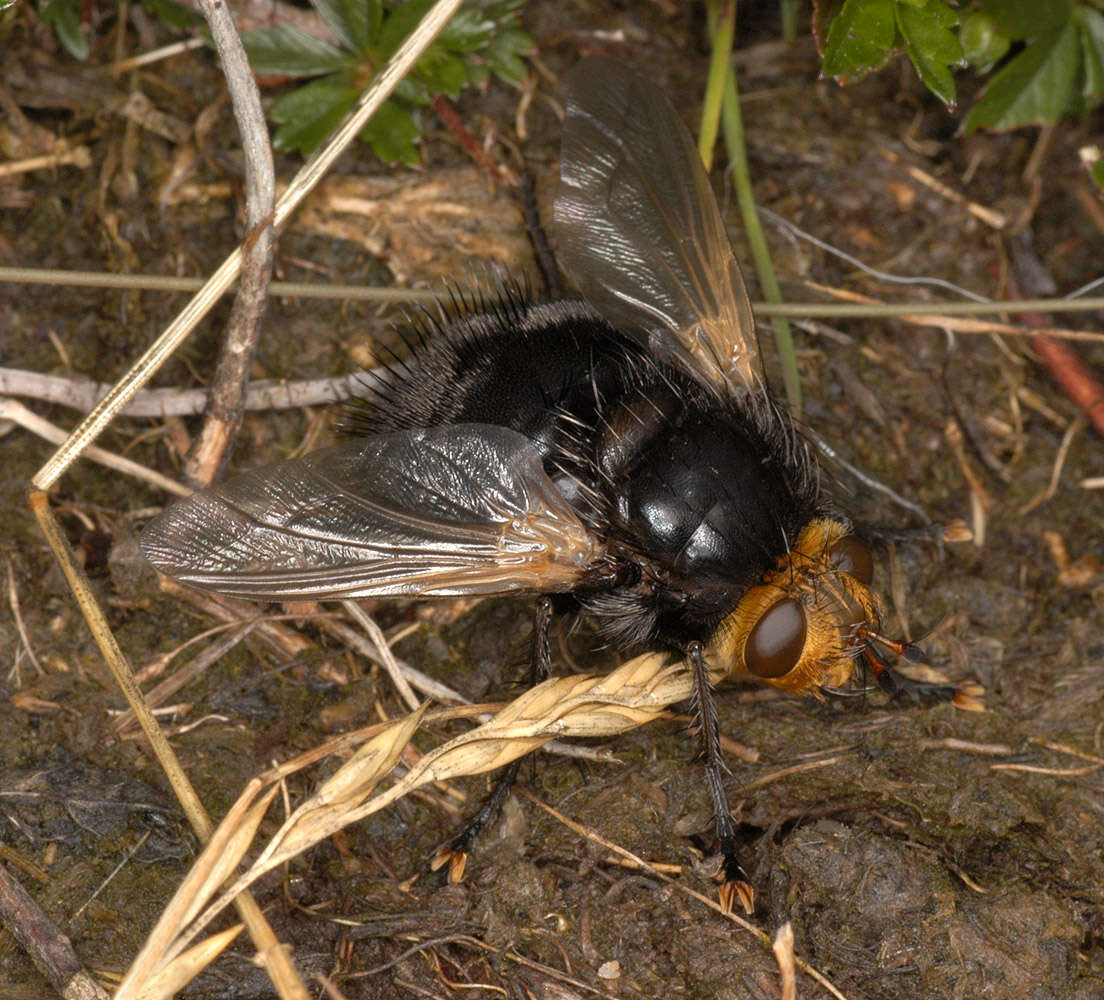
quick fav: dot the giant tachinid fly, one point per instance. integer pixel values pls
(620, 455)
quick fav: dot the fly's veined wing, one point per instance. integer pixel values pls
(638, 229)
(459, 510)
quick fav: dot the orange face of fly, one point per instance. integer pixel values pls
(803, 627)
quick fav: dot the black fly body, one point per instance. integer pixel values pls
(619, 455)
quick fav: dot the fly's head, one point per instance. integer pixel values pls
(811, 618)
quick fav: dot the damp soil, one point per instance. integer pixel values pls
(917, 850)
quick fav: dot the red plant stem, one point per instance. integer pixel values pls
(1076, 379)
(451, 120)
(1059, 358)
(1067, 368)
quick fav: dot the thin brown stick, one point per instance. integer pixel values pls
(385, 657)
(76, 157)
(125, 725)
(1051, 488)
(854, 306)
(285, 641)
(1071, 751)
(997, 220)
(42, 939)
(156, 55)
(175, 283)
(13, 602)
(267, 394)
(942, 315)
(1056, 772)
(783, 948)
(785, 772)
(19, 414)
(213, 444)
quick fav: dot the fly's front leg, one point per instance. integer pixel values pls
(542, 250)
(735, 882)
(454, 851)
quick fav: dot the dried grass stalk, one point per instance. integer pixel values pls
(185, 967)
(580, 705)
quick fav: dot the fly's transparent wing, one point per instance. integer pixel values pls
(638, 230)
(444, 512)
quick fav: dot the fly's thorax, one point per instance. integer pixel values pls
(800, 629)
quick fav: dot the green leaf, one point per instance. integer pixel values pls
(824, 13)
(393, 134)
(309, 113)
(1092, 51)
(982, 42)
(1021, 19)
(860, 39)
(64, 17)
(504, 54)
(355, 22)
(442, 73)
(413, 91)
(932, 45)
(1036, 86)
(284, 50)
(478, 73)
(400, 22)
(470, 29)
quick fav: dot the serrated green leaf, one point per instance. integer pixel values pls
(470, 29)
(504, 54)
(309, 113)
(442, 73)
(1022, 19)
(355, 22)
(400, 22)
(478, 73)
(860, 39)
(64, 17)
(392, 133)
(1036, 86)
(413, 91)
(931, 45)
(284, 50)
(1091, 32)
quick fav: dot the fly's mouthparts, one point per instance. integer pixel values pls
(908, 650)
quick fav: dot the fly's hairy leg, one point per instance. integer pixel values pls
(542, 250)
(454, 851)
(735, 880)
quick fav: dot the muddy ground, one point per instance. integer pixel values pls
(919, 851)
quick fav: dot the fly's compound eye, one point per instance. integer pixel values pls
(853, 557)
(777, 640)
